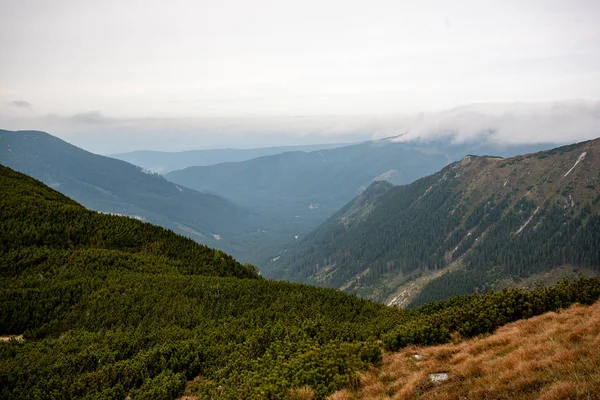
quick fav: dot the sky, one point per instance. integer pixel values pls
(116, 76)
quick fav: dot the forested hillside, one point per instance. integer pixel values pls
(113, 186)
(43, 230)
(295, 192)
(474, 223)
(269, 202)
(110, 307)
(311, 186)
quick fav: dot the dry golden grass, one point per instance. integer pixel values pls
(552, 356)
(303, 393)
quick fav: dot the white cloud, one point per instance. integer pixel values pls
(558, 122)
(207, 73)
(231, 58)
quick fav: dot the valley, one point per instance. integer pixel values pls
(254, 209)
(104, 304)
(112, 186)
(466, 228)
(284, 200)
(296, 215)
(341, 217)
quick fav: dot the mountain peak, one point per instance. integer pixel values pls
(474, 160)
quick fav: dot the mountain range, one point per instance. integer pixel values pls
(163, 162)
(108, 307)
(479, 223)
(252, 209)
(294, 192)
(117, 187)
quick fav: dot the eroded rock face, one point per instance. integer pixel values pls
(439, 377)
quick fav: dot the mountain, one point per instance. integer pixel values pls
(108, 307)
(535, 358)
(294, 192)
(479, 223)
(114, 186)
(104, 306)
(41, 227)
(163, 162)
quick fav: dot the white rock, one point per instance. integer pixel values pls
(439, 377)
(417, 357)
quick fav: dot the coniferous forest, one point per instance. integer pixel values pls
(490, 218)
(111, 307)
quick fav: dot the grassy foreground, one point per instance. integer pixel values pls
(551, 356)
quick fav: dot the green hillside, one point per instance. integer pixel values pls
(114, 186)
(268, 201)
(295, 192)
(111, 307)
(475, 223)
(43, 229)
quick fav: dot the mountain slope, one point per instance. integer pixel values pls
(108, 305)
(40, 226)
(163, 162)
(100, 306)
(114, 186)
(545, 357)
(475, 222)
(297, 191)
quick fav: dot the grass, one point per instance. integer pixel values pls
(548, 357)
(303, 393)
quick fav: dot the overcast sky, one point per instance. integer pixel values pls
(198, 73)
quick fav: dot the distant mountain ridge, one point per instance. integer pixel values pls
(114, 186)
(297, 191)
(475, 223)
(253, 209)
(163, 162)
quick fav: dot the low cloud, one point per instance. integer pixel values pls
(90, 117)
(518, 123)
(22, 104)
(559, 122)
